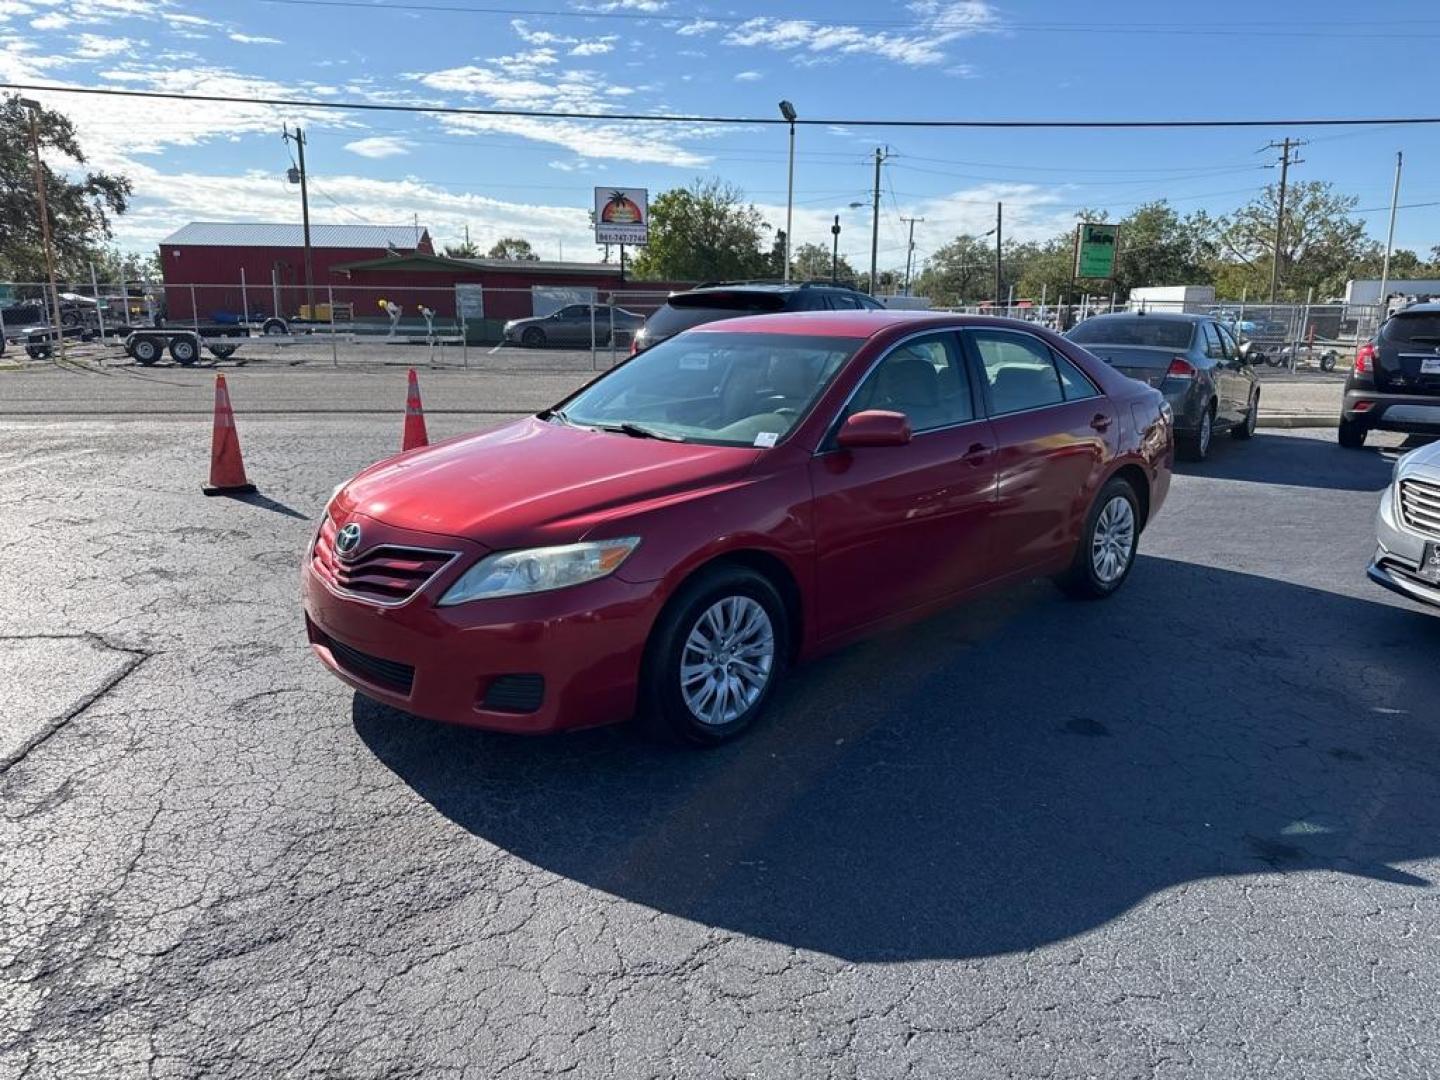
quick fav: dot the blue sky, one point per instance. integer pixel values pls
(931, 58)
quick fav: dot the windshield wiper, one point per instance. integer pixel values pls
(639, 431)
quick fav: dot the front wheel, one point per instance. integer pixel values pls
(1351, 435)
(715, 657)
(146, 350)
(1328, 360)
(533, 338)
(1106, 551)
(1247, 429)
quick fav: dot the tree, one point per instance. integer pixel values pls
(704, 232)
(812, 263)
(463, 250)
(80, 210)
(1322, 243)
(958, 272)
(113, 265)
(513, 248)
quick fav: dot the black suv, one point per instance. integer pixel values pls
(1396, 382)
(729, 299)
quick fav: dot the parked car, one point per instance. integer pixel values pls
(573, 325)
(1407, 527)
(730, 300)
(747, 494)
(1194, 360)
(1395, 384)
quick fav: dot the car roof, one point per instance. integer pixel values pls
(1177, 316)
(850, 324)
(1426, 308)
(764, 286)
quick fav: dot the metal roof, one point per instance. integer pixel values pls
(263, 234)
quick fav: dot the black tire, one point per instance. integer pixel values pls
(664, 711)
(1092, 576)
(533, 338)
(274, 328)
(222, 352)
(1246, 428)
(1277, 359)
(147, 349)
(1328, 360)
(184, 351)
(1197, 445)
(38, 352)
(69, 318)
(1351, 434)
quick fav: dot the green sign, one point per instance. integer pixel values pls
(1095, 250)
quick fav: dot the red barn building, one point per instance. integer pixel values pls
(212, 260)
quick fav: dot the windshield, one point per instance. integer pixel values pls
(1144, 330)
(730, 389)
(1422, 327)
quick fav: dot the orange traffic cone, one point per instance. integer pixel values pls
(414, 418)
(227, 471)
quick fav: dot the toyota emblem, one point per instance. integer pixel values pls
(348, 539)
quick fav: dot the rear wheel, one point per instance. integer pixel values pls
(146, 350)
(1246, 429)
(715, 657)
(183, 350)
(38, 352)
(1106, 551)
(1328, 359)
(1196, 446)
(1351, 434)
(274, 328)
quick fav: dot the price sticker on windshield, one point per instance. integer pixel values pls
(766, 439)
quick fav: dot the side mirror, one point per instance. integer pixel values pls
(874, 427)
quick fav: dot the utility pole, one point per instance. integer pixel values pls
(298, 175)
(34, 108)
(1390, 236)
(835, 251)
(910, 249)
(788, 112)
(999, 274)
(880, 156)
(1285, 162)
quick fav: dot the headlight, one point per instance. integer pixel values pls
(514, 573)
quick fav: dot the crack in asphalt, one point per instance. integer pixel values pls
(58, 723)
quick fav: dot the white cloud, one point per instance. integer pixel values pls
(626, 5)
(595, 47)
(538, 37)
(98, 46)
(517, 82)
(52, 21)
(938, 24)
(379, 146)
(254, 39)
(639, 143)
(697, 27)
(748, 76)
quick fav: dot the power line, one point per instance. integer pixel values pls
(674, 118)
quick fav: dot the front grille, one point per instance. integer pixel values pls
(515, 693)
(391, 674)
(385, 574)
(1420, 505)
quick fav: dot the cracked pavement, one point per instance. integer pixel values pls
(1192, 831)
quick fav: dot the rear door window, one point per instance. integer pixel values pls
(1019, 369)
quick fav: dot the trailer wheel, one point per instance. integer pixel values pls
(222, 352)
(146, 349)
(69, 318)
(274, 327)
(38, 352)
(184, 351)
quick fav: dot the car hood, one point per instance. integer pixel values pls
(534, 482)
(1423, 459)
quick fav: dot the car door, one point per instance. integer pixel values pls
(571, 325)
(1053, 432)
(1239, 374)
(1222, 374)
(898, 527)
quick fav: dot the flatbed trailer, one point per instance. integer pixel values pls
(146, 345)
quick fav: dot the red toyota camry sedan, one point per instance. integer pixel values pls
(748, 494)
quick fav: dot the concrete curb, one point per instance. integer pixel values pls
(1297, 420)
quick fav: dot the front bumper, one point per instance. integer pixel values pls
(1387, 572)
(1398, 556)
(1416, 414)
(584, 644)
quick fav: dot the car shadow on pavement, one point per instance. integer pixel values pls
(1000, 778)
(1299, 462)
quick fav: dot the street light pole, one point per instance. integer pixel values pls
(835, 252)
(1390, 236)
(910, 249)
(875, 220)
(299, 137)
(788, 112)
(34, 107)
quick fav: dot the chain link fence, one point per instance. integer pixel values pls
(543, 328)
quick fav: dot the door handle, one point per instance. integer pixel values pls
(976, 455)
(1100, 422)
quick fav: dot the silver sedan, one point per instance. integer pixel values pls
(1407, 560)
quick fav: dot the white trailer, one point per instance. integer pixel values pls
(1193, 298)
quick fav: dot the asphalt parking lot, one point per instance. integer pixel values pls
(1191, 831)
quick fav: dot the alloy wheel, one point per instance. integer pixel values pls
(727, 661)
(1113, 543)
(1206, 431)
